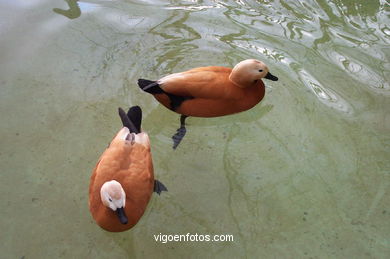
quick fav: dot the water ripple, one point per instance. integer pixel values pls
(193, 7)
(325, 95)
(361, 71)
(351, 35)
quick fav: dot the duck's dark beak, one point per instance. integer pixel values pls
(121, 215)
(271, 77)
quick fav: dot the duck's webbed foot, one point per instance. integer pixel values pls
(180, 132)
(159, 187)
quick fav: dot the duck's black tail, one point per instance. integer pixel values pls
(135, 115)
(132, 119)
(151, 87)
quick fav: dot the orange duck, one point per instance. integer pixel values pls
(210, 91)
(123, 180)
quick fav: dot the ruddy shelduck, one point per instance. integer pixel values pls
(123, 180)
(210, 91)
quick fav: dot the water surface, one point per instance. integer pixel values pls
(304, 174)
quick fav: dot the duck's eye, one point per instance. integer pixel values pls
(110, 199)
(260, 70)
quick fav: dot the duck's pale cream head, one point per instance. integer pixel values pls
(249, 72)
(113, 196)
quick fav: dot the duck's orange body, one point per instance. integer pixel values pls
(210, 92)
(131, 165)
(123, 180)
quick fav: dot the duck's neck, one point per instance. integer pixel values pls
(239, 81)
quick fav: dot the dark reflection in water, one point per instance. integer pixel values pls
(177, 39)
(360, 8)
(73, 12)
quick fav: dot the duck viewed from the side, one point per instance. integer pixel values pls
(210, 91)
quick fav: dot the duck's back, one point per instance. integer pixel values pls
(202, 82)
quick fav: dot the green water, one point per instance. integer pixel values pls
(304, 174)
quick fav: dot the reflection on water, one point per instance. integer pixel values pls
(303, 174)
(326, 96)
(73, 12)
